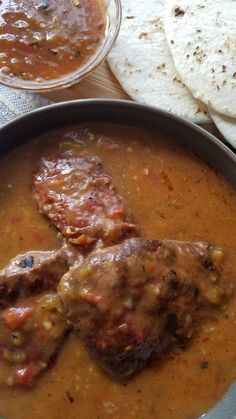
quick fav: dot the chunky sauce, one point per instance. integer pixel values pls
(172, 195)
(47, 39)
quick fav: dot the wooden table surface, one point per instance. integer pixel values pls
(99, 84)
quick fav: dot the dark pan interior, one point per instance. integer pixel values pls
(205, 145)
(192, 137)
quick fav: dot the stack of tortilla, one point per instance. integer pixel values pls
(180, 56)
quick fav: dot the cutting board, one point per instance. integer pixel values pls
(101, 84)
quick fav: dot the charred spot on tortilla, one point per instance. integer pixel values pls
(178, 12)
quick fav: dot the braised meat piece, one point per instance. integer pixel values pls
(30, 334)
(131, 301)
(31, 273)
(80, 199)
(32, 324)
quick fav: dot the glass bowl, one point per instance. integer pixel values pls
(113, 23)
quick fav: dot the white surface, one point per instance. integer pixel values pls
(226, 125)
(142, 62)
(203, 44)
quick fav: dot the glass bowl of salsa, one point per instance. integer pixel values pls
(51, 44)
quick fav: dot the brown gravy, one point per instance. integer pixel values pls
(172, 195)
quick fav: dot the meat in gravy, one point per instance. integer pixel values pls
(131, 301)
(31, 273)
(145, 297)
(31, 333)
(80, 199)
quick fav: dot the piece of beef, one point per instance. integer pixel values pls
(31, 332)
(80, 199)
(72, 254)
(32, 324)
(31, 273)
(131, 301)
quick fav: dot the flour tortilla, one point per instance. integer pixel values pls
(142, 62)
(202, 37)
(226, 125)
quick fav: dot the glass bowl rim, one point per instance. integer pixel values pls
(77, 75)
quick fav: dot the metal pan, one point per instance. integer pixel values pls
(188, 135)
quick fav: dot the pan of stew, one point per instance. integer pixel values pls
(117, 265)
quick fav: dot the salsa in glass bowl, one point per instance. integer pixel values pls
(47, 44)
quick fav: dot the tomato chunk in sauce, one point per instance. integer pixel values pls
(172, 195)
(46, 39)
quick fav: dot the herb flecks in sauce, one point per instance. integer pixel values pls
(204, 365)
(47, 39)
